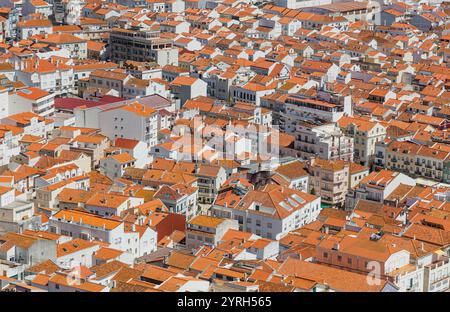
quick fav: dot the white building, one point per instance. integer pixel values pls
(272, 212)
(29, 28)
(55, 78)
(139, 150)
(92, 227)
(132, 121)
(33, 99)
(377, 186)
(114, 166)
(186, 88)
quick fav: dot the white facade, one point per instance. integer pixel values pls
(129, 241)
(121, 123)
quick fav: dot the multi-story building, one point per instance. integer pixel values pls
(326, 141)
(29, 28)
(295, 174)
(329, 180)
(27, 249)
(365, 134)
(417, 160)
(186, 88)
(93, 227)
(271, 212)
(300, 108)
(209, 181)
(114, 166)
(56, 77)
(133, 121)
(377, 186)
(179, 198)
(32, 99)
(359, 254)
(76, 46)
(142, 46)
(16, 215)
(208, 230)
(106, 80)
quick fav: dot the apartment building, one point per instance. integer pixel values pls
(208, 230)
(114, 165)
(209, 181)
(362, 254)
(87, 226)
(55, 78)
(326, 141)
(133, 121)
(179, 198)
(377, 186)
(106, 80)
(417, 160)
(16, 214)
(302, 108)
(32, 27)
(142, 46)
(186, 88)
(295, 174)
(30, 123)
(329, 180)
(272, 211)
(365, 133)
(27, 249)
(37, 7)
(92, 145)
(33, 99)
(76, 46)
(251, 92)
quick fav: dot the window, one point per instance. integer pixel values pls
(339, 258)
(325, 255)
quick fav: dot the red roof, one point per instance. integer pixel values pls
(125, 143)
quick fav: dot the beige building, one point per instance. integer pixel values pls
(365, 133)
(329, 180)
(417, 160)
(204, 229)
